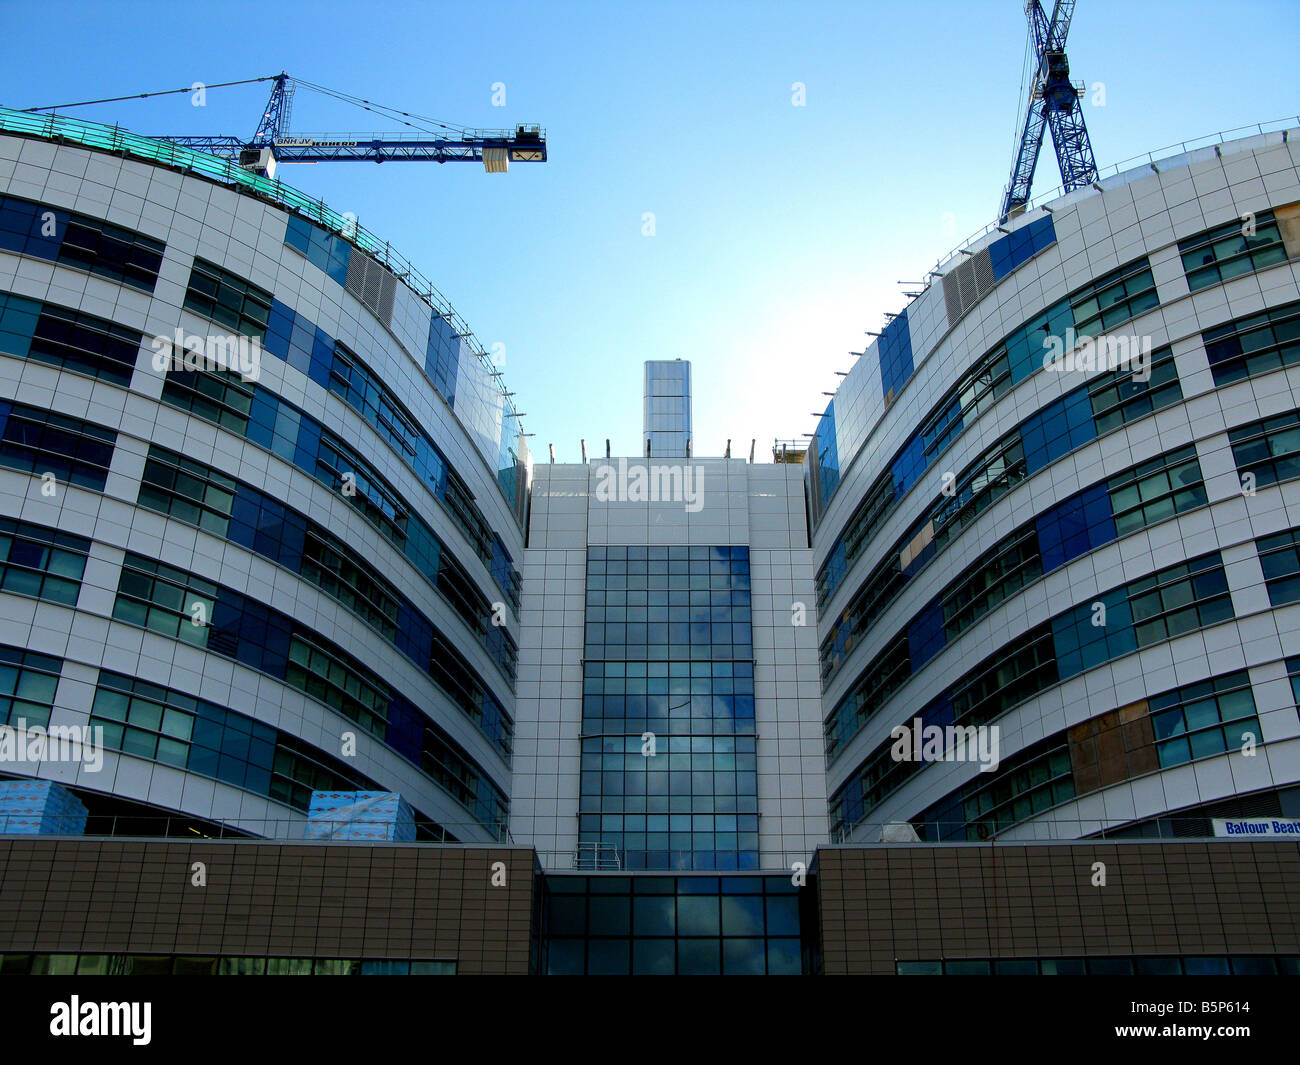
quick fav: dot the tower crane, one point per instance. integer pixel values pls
(273, 143)
(1053, 102)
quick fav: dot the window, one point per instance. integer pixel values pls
(1228, 251)
(223, 398)
(1266, 451)
(881, 772)
(67, 339)
(337, 680)
(1120, 295)
(165, 725)
(1254, 345)
(979, 486)
(28, 682)
(895, 349)
(1279, 557)
(1110, 965)
(1012, 563)
(41, 562)
(328, 563)
(187, 490)
(616, 925)
(76, 240)
(1155, 490)
(165, 600)
(192, 965)
(1057, 429)
(669, 651)
(1013, 673)
(326, 251)
(1179, 599)
(1032, 781)
(228, 300)
(879, 680)
(1011, 252)
(1199, 720)
(39, 442)
(1119, 397)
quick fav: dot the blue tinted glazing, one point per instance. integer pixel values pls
(18, 318)
(909, 466)
(925, 635)
(1027, 346)
(1087, 636)
(1058, 428)
(1075, 526)
(442, 357)
(328, 251)
(1019, 247)
(895, 348)
(669, 652)
(828, 455)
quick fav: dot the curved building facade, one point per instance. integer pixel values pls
(262, 494)
(1057, 519)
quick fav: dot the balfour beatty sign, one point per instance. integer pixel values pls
(1245, 827)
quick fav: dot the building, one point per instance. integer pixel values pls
(272, 527)
(1083, 547)
(669, 710)
(263, 501)
(667, 417)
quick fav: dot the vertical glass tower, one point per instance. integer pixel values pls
(667, 407)
(669, 771)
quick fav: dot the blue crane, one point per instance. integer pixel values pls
(1053, 101)
(273, 143)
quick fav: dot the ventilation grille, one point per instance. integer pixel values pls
(374, 286)
(966, 285)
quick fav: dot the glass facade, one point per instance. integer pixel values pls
(700, 926)
(669, 770)
(667, 426)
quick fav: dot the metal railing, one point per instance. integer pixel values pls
(16, 823)
(1275, 125)
(117, 139)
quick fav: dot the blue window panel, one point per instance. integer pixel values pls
(327, 251)
(18, 318)
(836, 567)
(1081, 644)
(895, 349)
(279, 330)
(909, 466)
(261, 419)
(405, 732)
(322, 358)
(442, 357)
(297, 233)
(1058, 428)
(414, 635)
(1074, 527)
(937, 711)
(1009, 253)
(925, 635)
(1026, 347)
(22, 226)
(308, 441)
(828, 455)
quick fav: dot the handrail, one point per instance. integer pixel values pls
(116, 139)
(1276, 125)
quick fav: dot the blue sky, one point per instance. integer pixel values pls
(780, 231)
